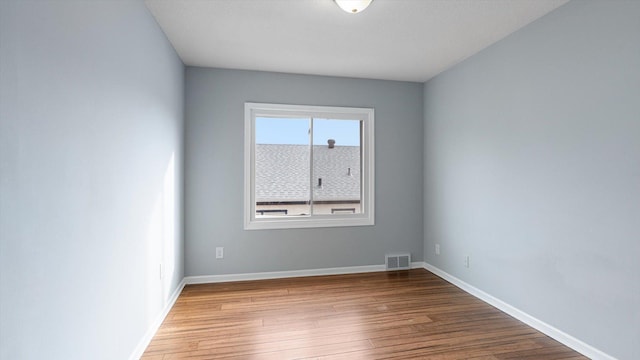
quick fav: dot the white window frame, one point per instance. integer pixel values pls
(367, 201)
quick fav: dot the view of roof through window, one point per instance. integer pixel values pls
(307, 166)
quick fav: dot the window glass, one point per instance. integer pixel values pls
(282, 176)
(336, 166)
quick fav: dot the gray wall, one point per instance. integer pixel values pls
(91, 118)
(532, 167)
(214, 173)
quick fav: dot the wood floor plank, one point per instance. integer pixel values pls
(388, 315)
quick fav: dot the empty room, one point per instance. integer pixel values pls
(319, 179)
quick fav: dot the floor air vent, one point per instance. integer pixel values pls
(398, 261)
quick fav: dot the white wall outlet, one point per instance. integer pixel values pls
(437, 249)
(219, 252)
(466, 261)
(161, 272)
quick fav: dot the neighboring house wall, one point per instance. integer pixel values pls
(294, 210)
(91, 119)
(214, 173)
(532, 167)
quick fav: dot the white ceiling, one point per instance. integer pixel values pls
(408, 40)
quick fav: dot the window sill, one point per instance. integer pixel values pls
(306, 222)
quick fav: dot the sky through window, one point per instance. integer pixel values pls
(296, 131)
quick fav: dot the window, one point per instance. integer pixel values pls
(308, 166)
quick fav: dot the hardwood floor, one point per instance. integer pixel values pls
(387, 315)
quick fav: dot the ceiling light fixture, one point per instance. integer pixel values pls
(353, 6)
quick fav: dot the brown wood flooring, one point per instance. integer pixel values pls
(386, 315)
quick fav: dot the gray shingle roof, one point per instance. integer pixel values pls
(282, 173)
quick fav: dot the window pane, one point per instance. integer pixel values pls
(336, 166)
(282, 176)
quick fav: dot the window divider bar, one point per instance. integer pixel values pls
(311, 172)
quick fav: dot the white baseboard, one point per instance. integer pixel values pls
(564, 338)
(290, 274)
(205, 279)
(144, 342)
